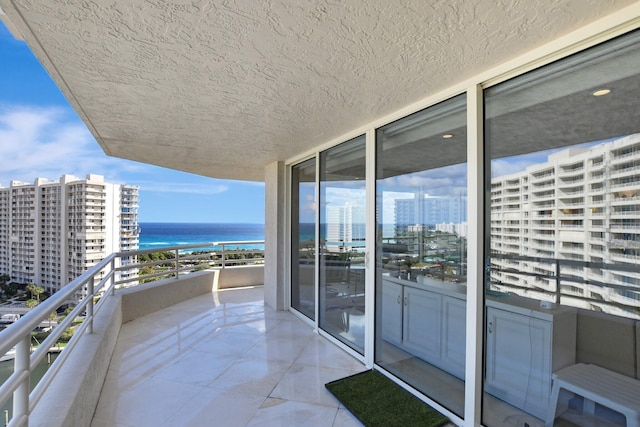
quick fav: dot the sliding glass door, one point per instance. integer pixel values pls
(421, 257)
(342, 242)
(303, 237)
(563, 234)
(553, 274)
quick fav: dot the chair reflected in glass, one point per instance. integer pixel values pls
(343, 296)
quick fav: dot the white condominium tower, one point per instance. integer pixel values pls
(345, 227)
(53, 231)
(581, 208)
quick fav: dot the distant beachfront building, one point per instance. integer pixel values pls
(460, 229)
(582, 205)
(430, 210)
(345, 227)
(53, 231)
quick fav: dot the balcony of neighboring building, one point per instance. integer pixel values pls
(628, 183)
(542, 175)
(572, 170)
(623, 155)
(543, 195)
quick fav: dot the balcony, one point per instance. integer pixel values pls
(223, 355)
(184, 350)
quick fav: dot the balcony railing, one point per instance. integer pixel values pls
(98, 284)
(573, 272)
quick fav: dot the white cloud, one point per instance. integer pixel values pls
(47, 143)
(445, 181)
(508, 166)
(341, 196)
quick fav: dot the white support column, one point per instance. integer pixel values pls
(475, 257)
(275, 248)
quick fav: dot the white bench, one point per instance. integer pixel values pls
(597, 385)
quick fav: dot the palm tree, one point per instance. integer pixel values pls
(35, 290)
(53, 316)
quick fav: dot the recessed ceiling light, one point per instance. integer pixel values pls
(601, 92)
(447, 135)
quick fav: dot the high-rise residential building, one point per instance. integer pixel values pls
(345, 227)
(582, 205)
(53, 231)
(461, 229)
(431, 211)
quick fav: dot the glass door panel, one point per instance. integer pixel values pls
(303, 237)
(562, 232)
(421, 256)
(342, 242)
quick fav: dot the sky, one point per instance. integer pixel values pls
(41, 136)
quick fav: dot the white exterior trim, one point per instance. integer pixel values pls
(475, 257)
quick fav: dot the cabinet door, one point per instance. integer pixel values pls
(518, 357)
(391, 316)
(454, 317)
(422, 320)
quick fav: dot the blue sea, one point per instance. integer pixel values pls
(159, 234)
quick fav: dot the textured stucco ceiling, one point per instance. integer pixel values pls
(224, 88)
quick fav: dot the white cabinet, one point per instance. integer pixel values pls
(392, 301)
(427, 324)
(454, 327)
(523, 349)
(421, 333)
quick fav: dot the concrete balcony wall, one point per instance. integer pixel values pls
(72, 397)
(147, 298)
(144, 299)
(233, 277)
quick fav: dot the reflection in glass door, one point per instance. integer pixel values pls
(421, 255)
(303, 237)
(563, 235)
(342, 242)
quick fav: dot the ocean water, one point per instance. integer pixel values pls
(159, 234)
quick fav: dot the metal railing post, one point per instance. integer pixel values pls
(113, 276)
(557, 281)
(90, 292)
(177, 264)
(21, 394)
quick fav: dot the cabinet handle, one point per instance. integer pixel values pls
(398, 299)
(406, 301)
(490, 327)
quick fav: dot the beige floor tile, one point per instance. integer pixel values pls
(223, 359)
(216, 407)
(285, 413)
(304, 383)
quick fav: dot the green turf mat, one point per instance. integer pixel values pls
(379, 402)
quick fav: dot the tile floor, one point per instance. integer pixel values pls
(223, 359)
